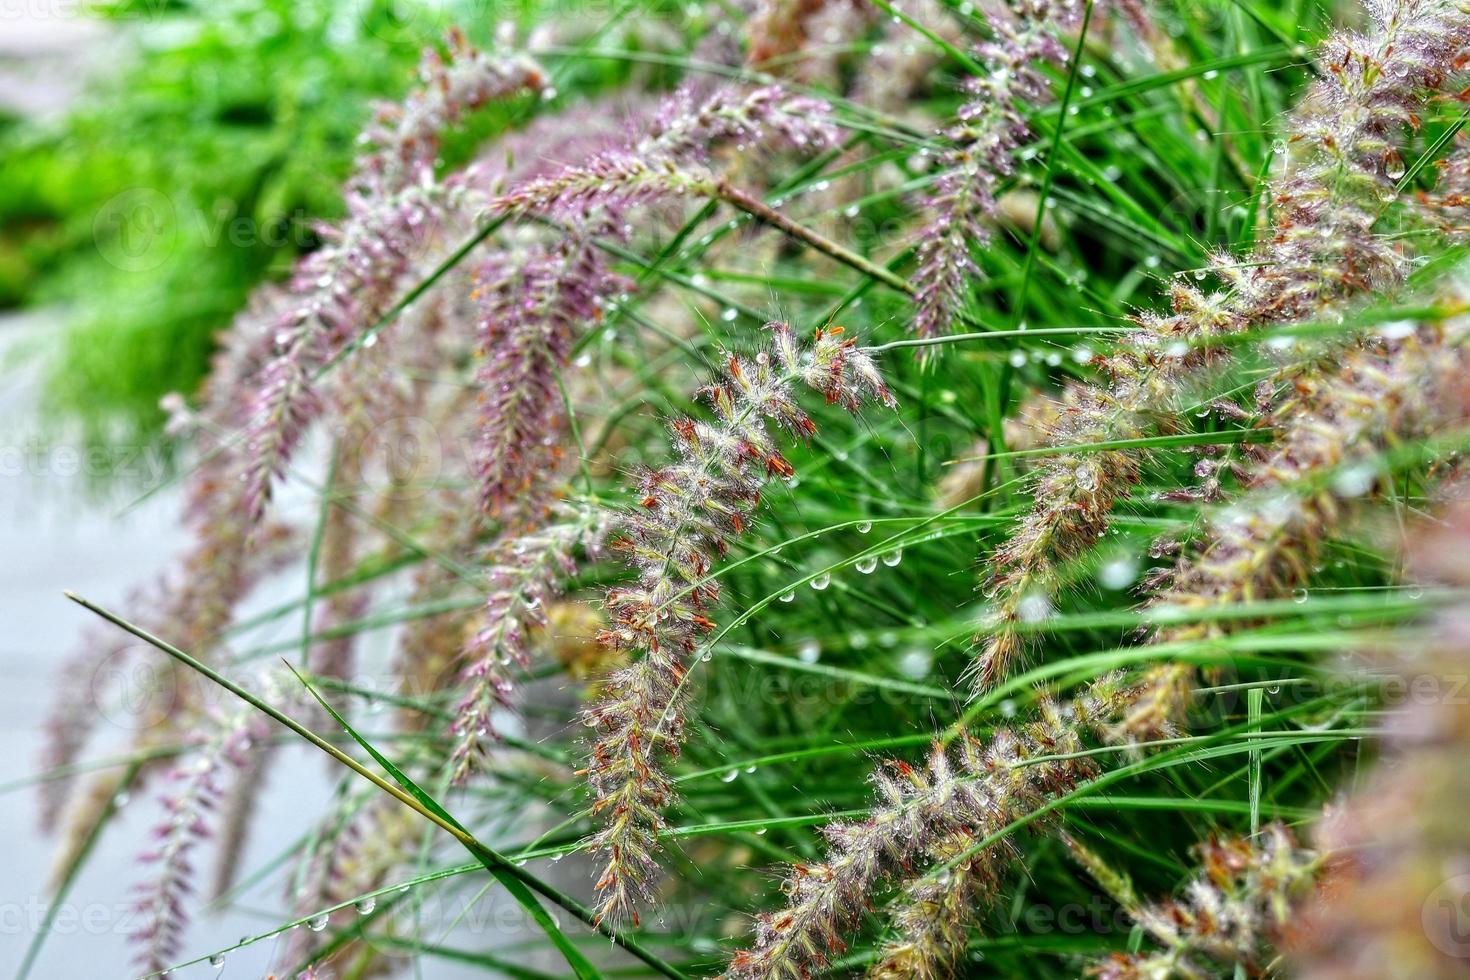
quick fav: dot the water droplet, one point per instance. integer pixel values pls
(217, 961)
(866, 565)
(893, 557)
(865, 527)
(821, 581)
(1008, 708)
(1082, 354)
(914, 664)
(809, 652)
(730, 776)
(1033, 607)
(750, 769)
(730, 314)
(761, 832)
(1018, 359)
(583, 360)
(1118, 573)
(1396, 329)
(317, 923)
(1274, 689)
(366, 906)
(788, 597)
(1211, 75)
(1300, 595)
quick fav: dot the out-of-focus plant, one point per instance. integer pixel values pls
(195, 165)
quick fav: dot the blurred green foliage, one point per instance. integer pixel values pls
(195, 169)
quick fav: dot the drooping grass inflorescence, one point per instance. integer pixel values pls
(1234, 913)
(937, 818)
(688, 513)
(261, 381)
(1341, 175)
(536, 304)
(1385, 392)
(393, 202)
(194, 789)
(672, 160)
(990, 129)
(524, 576)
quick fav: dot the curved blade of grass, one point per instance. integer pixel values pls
(493, 862)
(70, 875)
(436, 814)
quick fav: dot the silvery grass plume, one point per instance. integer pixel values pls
(1388, 391)
(674, 158)
(1340, 177)
(1234, 913)
(688, 513)
(194, 789)
(525, 573)
(1393, 898)
(393, 203)
(990, 128)
(932, 818)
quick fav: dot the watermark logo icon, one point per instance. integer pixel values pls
(1446, 917)
(135, 231)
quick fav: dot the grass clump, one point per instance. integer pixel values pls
(1143, 351)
